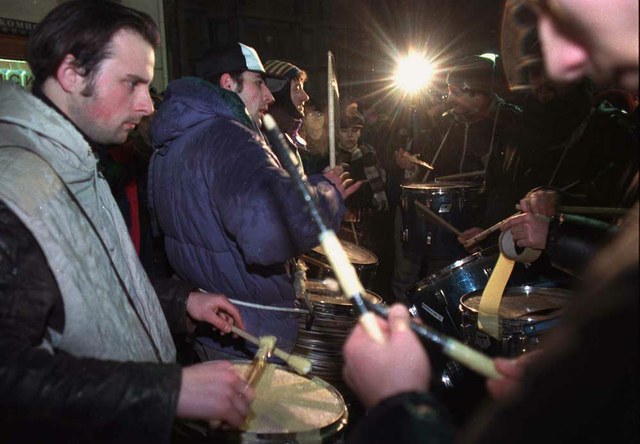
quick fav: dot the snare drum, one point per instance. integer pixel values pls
(287, 408)
(436, 298)
(321, 340)
(364, 261)
(447, 200)
(525, 315)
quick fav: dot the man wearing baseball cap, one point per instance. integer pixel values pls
(230, 214)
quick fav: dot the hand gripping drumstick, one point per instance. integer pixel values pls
(298, 363)
(342, 268)
(473, 359)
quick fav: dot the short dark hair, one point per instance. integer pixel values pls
(84, 29)
(235, 75)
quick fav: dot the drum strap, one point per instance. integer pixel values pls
(488, 311)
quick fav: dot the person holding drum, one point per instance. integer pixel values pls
(230, 214)
(460, 144)
(86, 352)
(583, 387)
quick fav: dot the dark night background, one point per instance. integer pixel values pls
(365, 36)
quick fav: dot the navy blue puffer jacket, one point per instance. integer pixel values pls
(231, 216)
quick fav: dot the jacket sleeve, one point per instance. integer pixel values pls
(173, 295)
(260, 205)
(573, 240)
(411, 418)
(49, 394)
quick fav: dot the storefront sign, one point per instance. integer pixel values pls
(16, 27)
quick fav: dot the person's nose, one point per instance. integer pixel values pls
(144, 104)
(267, 96)
(305, 97)
(565, 59)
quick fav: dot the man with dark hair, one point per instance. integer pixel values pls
(472, 136)
(230, 214)
(85, 350)
(584, 386)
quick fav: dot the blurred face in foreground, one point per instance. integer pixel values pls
(594, 38)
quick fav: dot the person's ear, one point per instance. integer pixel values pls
(227, 82)
(70, 77)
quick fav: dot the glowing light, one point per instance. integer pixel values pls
(414, 73)
(490, 56)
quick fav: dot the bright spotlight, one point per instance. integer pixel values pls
(414, 72)
(490, 56)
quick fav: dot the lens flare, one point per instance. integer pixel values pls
(414, 73)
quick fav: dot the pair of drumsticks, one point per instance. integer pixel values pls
(483, 234)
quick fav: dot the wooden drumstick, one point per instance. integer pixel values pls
(266, 347)
(438, 219)
(298, 363)
(483, 234)
(589, 210)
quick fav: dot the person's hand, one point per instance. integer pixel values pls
(512, 371)
(214, 391)
(215, 309)
(377, 371)
(343, 181)
(528, 230)
(402, 160)
(468, 234)
(544, 202)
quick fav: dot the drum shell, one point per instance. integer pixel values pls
(364, 261)
(321, 340)
(309, 426)
(436, 298)
(541, 308)
(451, 201)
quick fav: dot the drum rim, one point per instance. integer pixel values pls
(301, 436)
(419, 186)
(370, 258)
(514, 291)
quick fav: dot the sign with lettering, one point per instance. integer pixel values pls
(16, 71)
(16, 27)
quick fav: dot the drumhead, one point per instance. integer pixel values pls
(319, 293)
(438, 186)
(356, 254)
(291, 408)
(532, 304)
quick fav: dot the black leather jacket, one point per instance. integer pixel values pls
(59, 397)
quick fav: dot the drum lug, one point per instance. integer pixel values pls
(405, 235)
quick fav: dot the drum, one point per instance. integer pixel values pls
(363, 260)
(436, 298)
(287, 408)
(321, 339)
(450, 201)
(525, 315)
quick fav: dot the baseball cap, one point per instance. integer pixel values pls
(237, 57)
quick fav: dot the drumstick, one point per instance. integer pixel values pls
(473, 359)
(342, 267)
(461, 175)
(414, 159)
(438, 219)
(588, 210)
(478, 237)
(298, 363)
(267, 344)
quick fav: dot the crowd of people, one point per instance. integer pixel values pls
(137, 230)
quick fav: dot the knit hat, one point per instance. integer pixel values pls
(472, 73)
(284, 73)
(237, 57)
